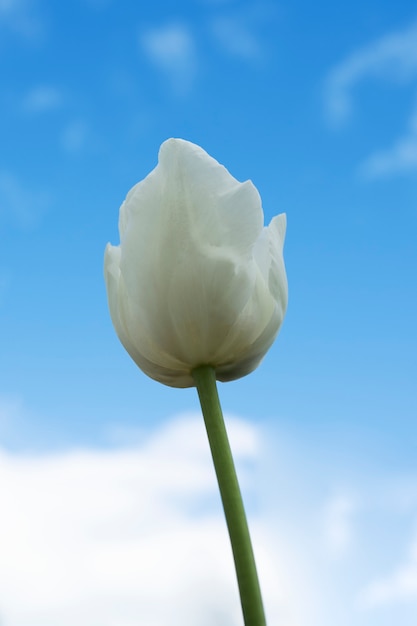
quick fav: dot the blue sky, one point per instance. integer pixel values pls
(317, 105)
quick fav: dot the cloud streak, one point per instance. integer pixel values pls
(19, 17)
(42, 98)
(18, 204)
(338, 531)
(74, 136)
(392, 58)
(236, 38)
(171, 49)
(398, 586)
(401, 158)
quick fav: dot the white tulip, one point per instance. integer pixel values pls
(197, 279)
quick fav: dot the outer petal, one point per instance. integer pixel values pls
(221, 211)
(258, 324)
(149, 357)
(185, 252)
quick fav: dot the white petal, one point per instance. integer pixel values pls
(181, 258)
(219, 211)
(277, 277)
(197, 279)
(134, 337)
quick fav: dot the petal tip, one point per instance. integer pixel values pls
(278, 226)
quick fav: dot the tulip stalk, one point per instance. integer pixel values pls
(247, 577)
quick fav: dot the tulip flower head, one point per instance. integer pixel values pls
(197, 279)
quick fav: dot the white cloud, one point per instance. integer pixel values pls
(126, 537)
(5, 280)
(401, 158)
(172, 50)
(9, 7)
(19, 204)
(338, 524)
(239, 31)
(393, 58)
(397, 587)
(20, 16)
(236, 37)
(42, 98)
(10, 409)
(74, 136)
(136, 535)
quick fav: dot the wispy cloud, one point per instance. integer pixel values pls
(337, 525)
(74, 136)
(42, 98)
(392, 58)
(240, 32)
(20, 16)
(10, 407)
(396, 587)
(236, 37)
(5, 281)
(172, 50)
(401, 158)
(19, 204)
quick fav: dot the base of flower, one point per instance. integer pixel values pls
(247, 577)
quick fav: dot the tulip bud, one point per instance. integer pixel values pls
(197, 279)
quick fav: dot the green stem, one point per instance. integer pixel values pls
(247, 577)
